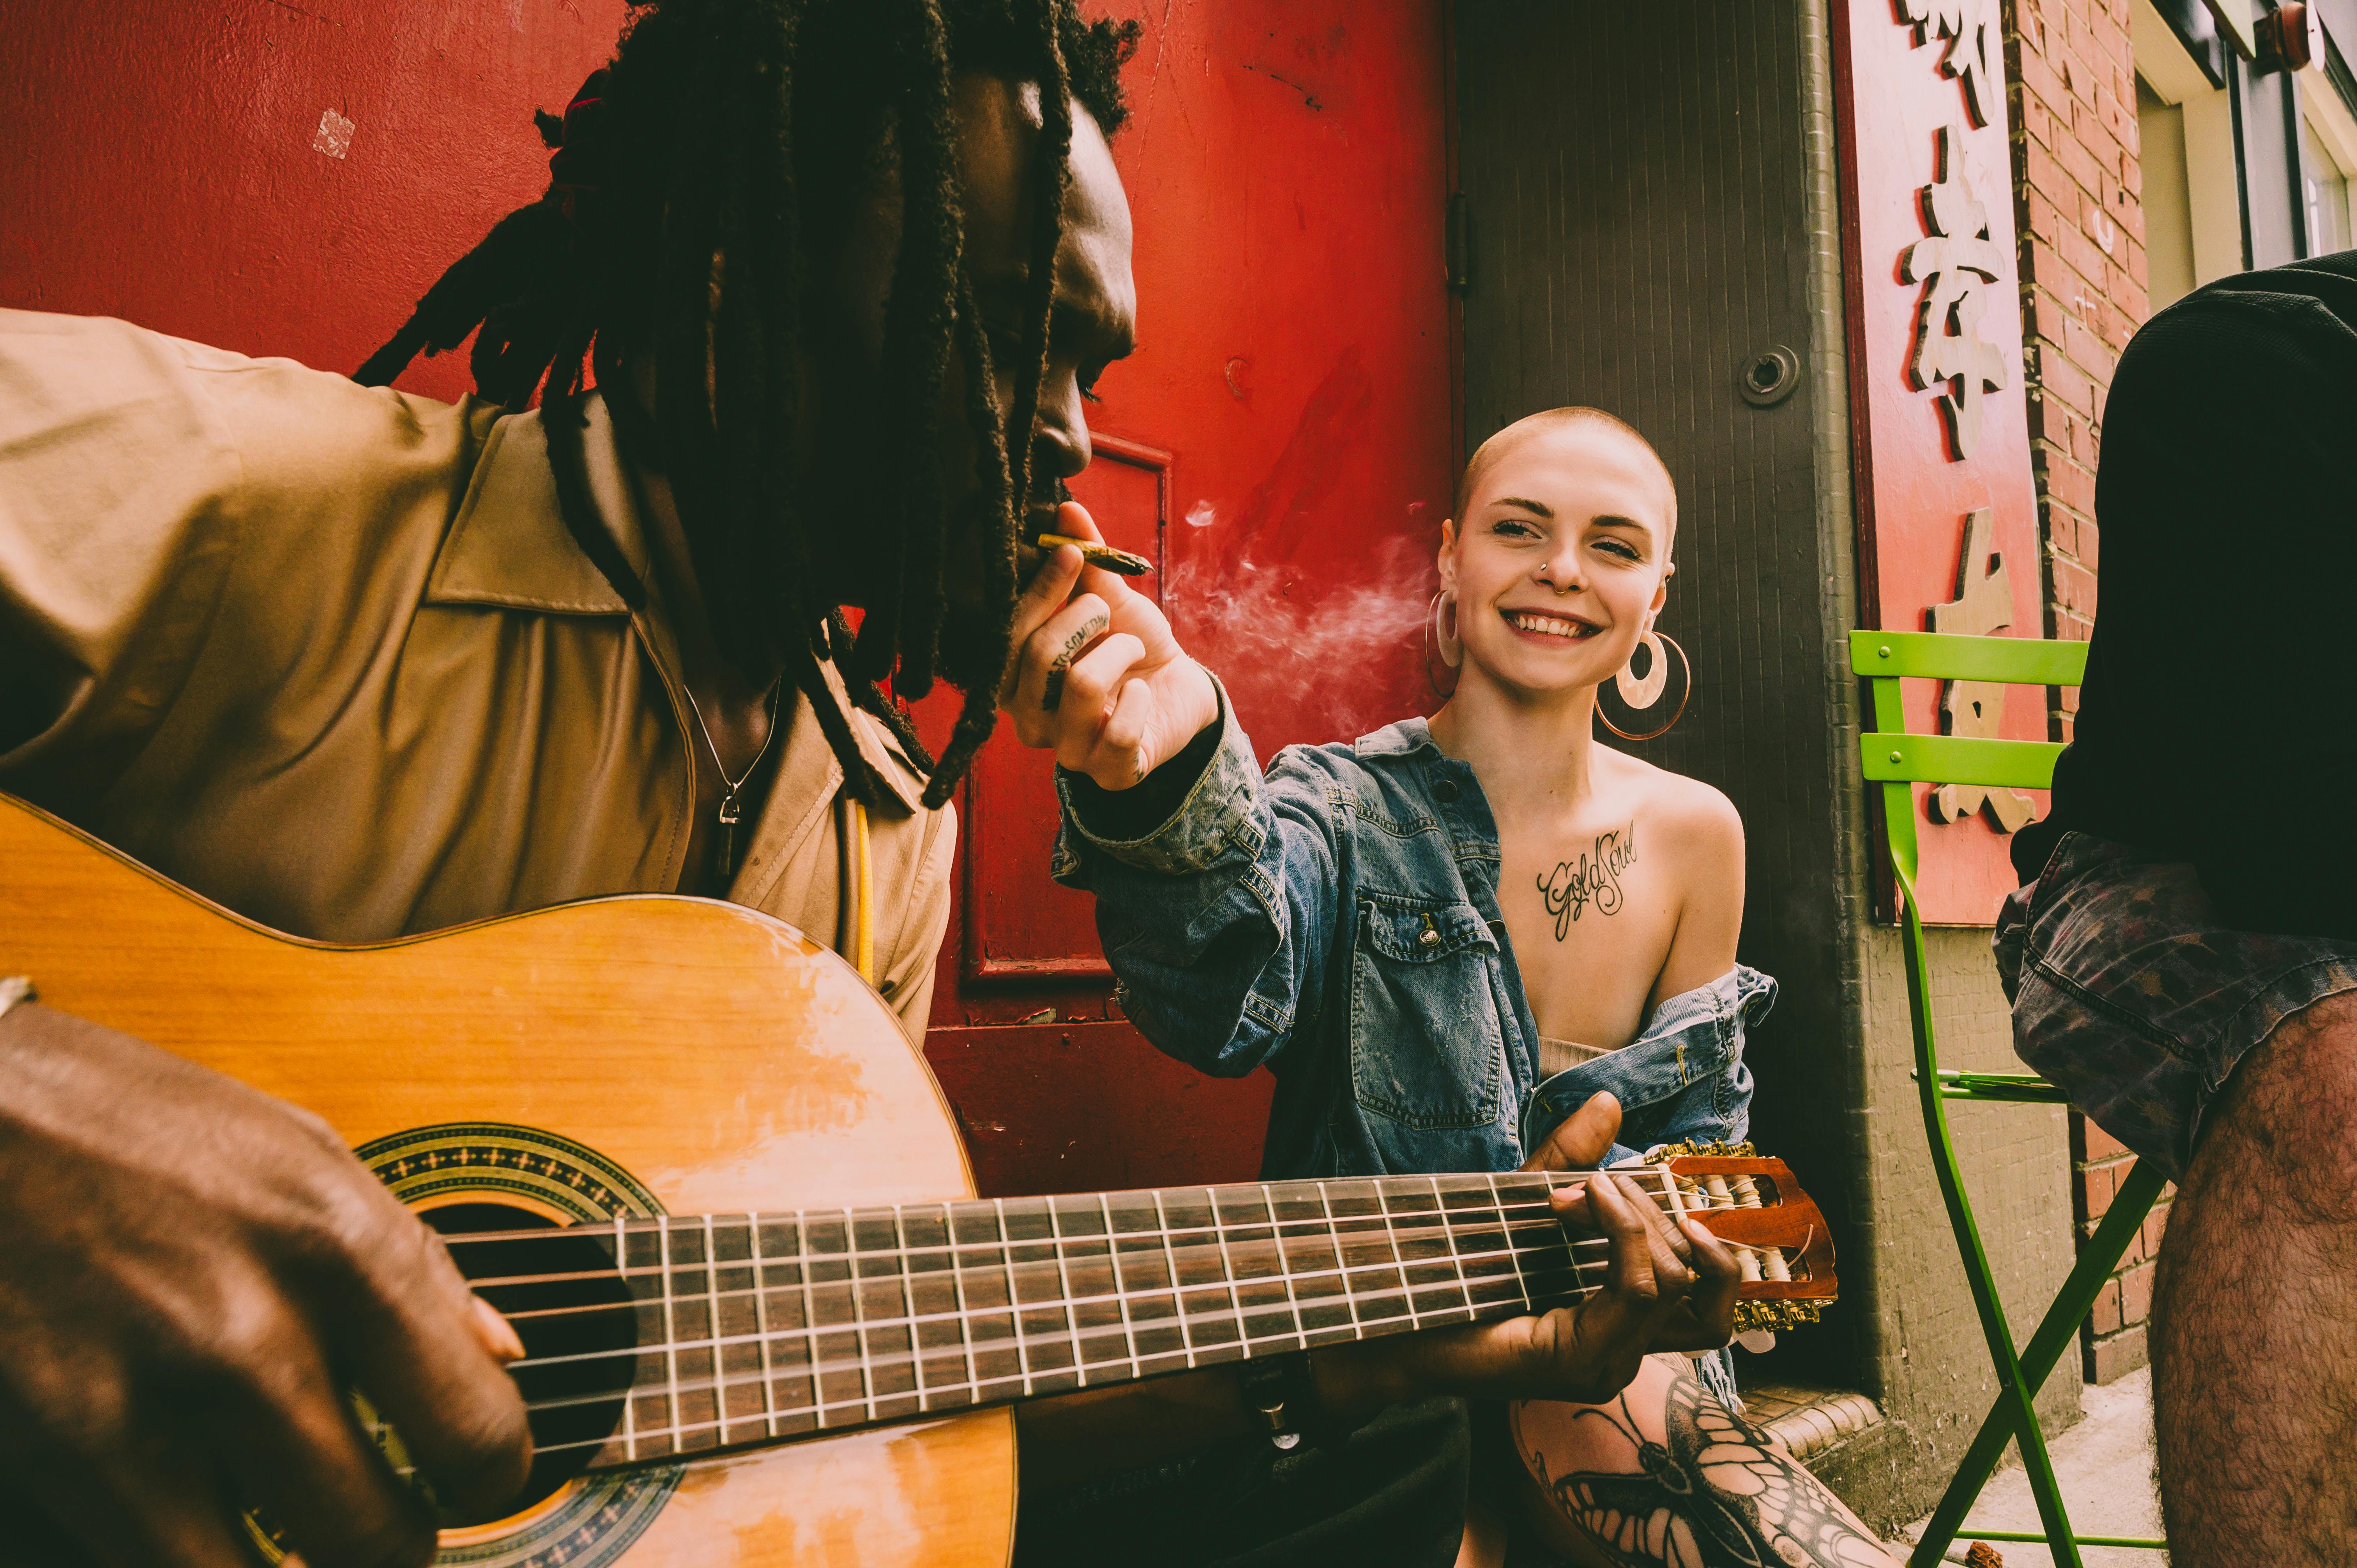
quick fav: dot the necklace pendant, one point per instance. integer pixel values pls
(727, 818)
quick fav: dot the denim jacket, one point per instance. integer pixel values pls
(1338, 921)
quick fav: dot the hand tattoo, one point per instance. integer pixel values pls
(1051, 690)
(1594, 877)
(1713, 1495)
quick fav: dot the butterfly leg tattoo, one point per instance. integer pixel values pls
(1666, 1473)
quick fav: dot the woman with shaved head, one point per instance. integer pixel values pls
(1479, 943)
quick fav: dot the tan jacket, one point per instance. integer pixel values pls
(327, 655)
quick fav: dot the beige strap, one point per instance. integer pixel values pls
(15, 988)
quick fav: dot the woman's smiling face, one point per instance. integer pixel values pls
(1560, 559)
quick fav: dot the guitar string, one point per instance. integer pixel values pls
(1243, 1348)
(648, 1225)
(1050, 1247)
(918, 1353)
(680, 1429)
(1059, 1302)
(1054, 1254)
(849, 1219)
(843, 1286)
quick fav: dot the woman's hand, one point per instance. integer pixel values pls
(1666, 1286)
(1096, 675)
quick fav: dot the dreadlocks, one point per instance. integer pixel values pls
(695, 177)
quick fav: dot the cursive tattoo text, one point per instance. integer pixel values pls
(1051, 689)
(1593, 878)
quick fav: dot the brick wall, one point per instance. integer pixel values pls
(2071, 73)
(2113, 1340)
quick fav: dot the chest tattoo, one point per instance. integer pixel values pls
(1593, 878)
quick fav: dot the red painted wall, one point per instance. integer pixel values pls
(156, 158)
(1283, 433)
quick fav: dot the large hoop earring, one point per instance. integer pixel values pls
(1650, 687)
(1450, 647)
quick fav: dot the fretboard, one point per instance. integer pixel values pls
(758, 1328)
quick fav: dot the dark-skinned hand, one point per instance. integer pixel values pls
(194, 1275)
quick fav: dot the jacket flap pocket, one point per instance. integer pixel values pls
(1422, 933)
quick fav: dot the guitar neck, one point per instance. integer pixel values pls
(749, 1329)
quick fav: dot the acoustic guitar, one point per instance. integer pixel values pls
(693, 1159)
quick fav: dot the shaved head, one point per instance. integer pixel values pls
(1548, 422)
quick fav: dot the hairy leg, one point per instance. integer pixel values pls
(1666, 1473)
(2253, 1338)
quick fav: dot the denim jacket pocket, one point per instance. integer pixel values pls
(1427, 1048)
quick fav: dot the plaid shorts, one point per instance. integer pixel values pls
(2130, 995)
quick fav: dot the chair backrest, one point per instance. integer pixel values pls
(1895, 760)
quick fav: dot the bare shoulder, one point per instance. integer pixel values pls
(1686, 811)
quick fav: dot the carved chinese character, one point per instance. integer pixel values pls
(1970, 27)
(1984, 604)
(1956, 265)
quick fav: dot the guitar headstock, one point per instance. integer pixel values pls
(1751, 1202)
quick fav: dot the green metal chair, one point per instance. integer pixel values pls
(1896, 760)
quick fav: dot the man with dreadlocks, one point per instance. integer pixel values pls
(811, 307)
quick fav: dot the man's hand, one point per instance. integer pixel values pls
(1096, 675)
(193, 1274)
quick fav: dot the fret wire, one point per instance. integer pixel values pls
(1227, 1267)
(1499, 1309)
(1358, 1330)
(1520, 1284)
(1399, 1259)
(909, 1295)
(1112, 1252)
(810, 1314)
(671, 1333)
(1284, 1264)
(1178, 1289)
(761, 1324)
(957, 1277)
(1441, 1202)
(712, 1313)
(629, 1405)
(859, 1312)
(1064, 1274)
(685, 1428)
(1014, 1297)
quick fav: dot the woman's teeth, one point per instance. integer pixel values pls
(1550, 626)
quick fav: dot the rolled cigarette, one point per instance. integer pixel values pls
(1103, 555)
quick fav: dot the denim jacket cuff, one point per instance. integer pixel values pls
(1215, 814)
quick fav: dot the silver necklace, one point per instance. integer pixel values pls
(731, 812)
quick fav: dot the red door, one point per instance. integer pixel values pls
(1282, 444)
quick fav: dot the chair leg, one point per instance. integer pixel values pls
(2055, 1333)
(2021, 1415)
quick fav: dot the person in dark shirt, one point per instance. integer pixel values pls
(2183, 959)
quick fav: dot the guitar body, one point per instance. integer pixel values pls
(654, 1055)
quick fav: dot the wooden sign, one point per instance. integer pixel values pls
(1947, 510)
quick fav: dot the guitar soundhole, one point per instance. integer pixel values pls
(565, 1300)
